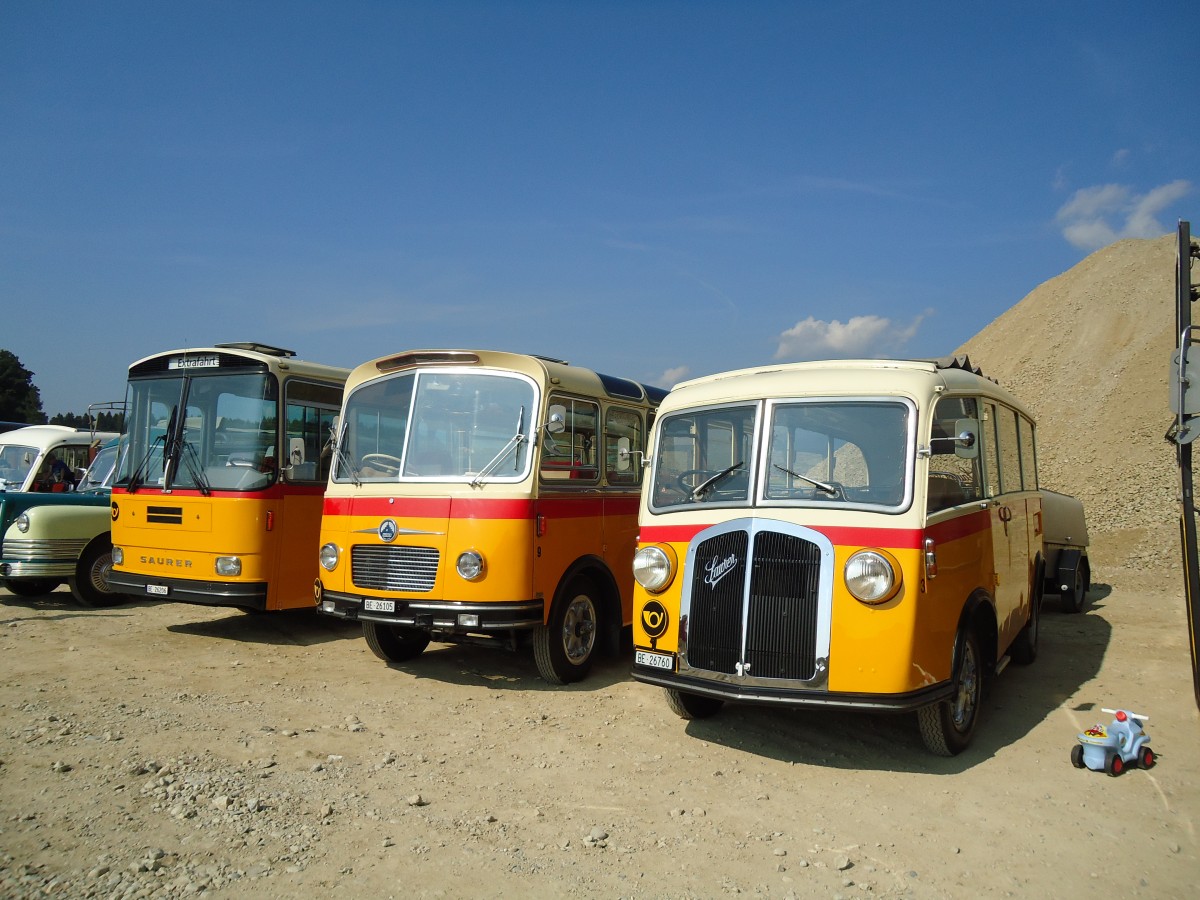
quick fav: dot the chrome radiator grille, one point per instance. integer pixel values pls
(394, 568)
(768, 630)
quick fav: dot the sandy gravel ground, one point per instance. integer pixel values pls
(162, 750)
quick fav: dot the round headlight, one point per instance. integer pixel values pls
(469, 565)
(329, 557)
(22, 523)
(654, 567)
(871, 577)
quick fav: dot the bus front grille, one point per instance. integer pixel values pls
(768, 630)
(394, 568)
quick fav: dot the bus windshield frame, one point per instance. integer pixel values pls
(202, 431)
(438, 425)
(848, 453)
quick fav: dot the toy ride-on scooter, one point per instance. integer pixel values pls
(1113, 748)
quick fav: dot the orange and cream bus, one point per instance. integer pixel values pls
(847, 534)
(218, 499)
(480, 495)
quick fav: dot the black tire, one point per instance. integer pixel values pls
(692, 706)
(565, 647)
(90, 584)
(1024, 649)
(33, 587)
(1146, 758)
(1115, 766)
(948, 725)
(1077, 756)
(394, 643)
(1074, 598)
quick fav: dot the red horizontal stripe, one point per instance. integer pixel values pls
(850, 536)
(559, 507)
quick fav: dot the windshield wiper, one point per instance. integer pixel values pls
(819, 485)
(709, 483)
(166, 436)
(192, 461)
(515, 441)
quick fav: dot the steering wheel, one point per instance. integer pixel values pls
(390, 465)
(681, 480)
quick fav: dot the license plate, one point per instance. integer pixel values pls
(161, 589)
(654, 660)
(379, 605)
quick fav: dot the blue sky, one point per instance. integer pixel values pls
(652, 189)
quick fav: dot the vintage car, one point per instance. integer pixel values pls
(47, 458)
(48, 538)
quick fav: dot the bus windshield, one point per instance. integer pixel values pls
(201, 432)
(441, 425)
(851, 453)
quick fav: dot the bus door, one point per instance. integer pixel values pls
(570, 506)
(624, 441)
(1010, 516)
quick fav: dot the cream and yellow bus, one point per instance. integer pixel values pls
(850, 534)
(479, 495)
(218, 497)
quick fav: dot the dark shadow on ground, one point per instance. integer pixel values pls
(1071, 649)
(499, 668)
(302, 627)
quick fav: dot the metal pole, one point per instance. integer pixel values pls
(1183, 450)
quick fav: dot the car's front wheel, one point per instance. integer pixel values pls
(90, 584)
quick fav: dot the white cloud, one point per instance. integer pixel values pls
(672, 377)
(859, 336)
(1096, 216)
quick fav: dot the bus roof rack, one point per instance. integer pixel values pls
(255, 347)
(960, 362)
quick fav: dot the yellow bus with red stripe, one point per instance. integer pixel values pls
(485, 496)
(847, 534)
(218, 498)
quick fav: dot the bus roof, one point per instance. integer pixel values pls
(264, 354)
(918, 378)
(544, 369)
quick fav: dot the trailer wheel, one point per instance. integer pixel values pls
(1074, 598)
(394, 643)
(948, 725)
(89, 585)
(565, 647)
(692, 706)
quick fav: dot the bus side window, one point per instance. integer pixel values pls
(571, 454)
(953, 479)
(311, 409)
(622, 430)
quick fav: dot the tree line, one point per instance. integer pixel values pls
(21, 401)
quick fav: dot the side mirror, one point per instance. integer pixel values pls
(556, 423)
(295, 451)
(965, 444)
(624, 463)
